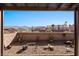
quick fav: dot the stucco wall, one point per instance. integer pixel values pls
(46, 36)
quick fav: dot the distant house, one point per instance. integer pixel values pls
(38, 29)
(71, 28)
(42, 29)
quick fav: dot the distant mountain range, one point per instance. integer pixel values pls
(24, 27)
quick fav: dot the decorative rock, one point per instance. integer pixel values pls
(68, 44)
(24, 47)
(49, 47)
(68, 49)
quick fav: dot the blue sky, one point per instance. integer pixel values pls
(37, 18)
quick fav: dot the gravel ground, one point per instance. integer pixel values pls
(38, 50)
